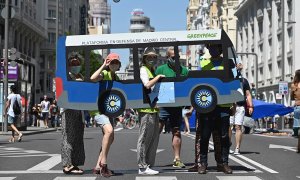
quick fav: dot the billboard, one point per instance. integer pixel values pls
(12, 72)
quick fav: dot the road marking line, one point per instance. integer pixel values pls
(156, 178)
(7, 178)
(275, 146)
(75, 178)
(47, 164)
(245, 164)
(32, 172)
(157, 151)
(257, 164)
(209, 172)
(262, 135)
(26, 155)
(238, 177)
(118, 129)
(245, 158)
(298, 177)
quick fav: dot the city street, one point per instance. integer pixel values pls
(38, 157)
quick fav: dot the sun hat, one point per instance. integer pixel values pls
(149, 51)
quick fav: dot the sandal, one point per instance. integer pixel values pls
(104, 171)
(97, 171)
(11, 140)
(73, 170)
(20, 137)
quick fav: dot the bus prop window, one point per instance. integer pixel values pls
(233, 61)
(125, 72)
(75, 62)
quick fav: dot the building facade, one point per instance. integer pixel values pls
(99, 20)
(138, 23)
(72, 20)
(260, 31)
(27, 31)
(228, 19)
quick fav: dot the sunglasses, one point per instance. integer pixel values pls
(151, 57)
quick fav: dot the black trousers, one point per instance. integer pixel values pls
(216, 122)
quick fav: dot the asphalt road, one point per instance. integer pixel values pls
(38, 157)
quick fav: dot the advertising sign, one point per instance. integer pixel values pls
(12, 72)
(283, 87)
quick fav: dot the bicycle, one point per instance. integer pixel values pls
(129, 119)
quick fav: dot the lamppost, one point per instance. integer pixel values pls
(5, 65)
(256, 68)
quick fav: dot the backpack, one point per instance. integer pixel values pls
(16, 107)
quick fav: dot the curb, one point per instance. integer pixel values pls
(28, 132)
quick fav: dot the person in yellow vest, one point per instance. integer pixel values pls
(106, 72)
(149, 119)
(215, 121)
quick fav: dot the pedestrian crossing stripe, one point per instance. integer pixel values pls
(7, 178)
(156, 178)
(238, 177)
(242, 157)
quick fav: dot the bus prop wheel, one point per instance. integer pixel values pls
(111, 103)
(204, 99)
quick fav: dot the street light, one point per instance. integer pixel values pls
(256, 67)
(5, 71)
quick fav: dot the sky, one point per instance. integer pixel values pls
(165, 15)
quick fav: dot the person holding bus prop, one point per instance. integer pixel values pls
(173, 114)
(107, 71)
(217, 120)
(149, 119)
(72, 147)
(295, 88)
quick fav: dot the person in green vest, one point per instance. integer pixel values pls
(215, 121)
(149, 119)
(107, 71)
(172, 114)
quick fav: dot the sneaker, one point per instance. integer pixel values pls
(178, 164)
(236, 151)
(147, 171)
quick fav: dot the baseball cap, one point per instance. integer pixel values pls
(113, 56)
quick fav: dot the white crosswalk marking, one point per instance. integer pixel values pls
(7, 178)
(18, 152)
(244, 158)
(156, 178)
(47, 164)
(238, 178)
(75, 178)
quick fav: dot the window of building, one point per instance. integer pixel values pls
(269, 72)
(260, 77)
(290, 66)
(261, 53)
(51, 38)
(51, 13)
(16, 2)
(260, 29)
(290, 37)
(70, 12)
(270, 49)
(279, 44)
(290, 10)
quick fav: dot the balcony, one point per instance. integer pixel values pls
(27, 20)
